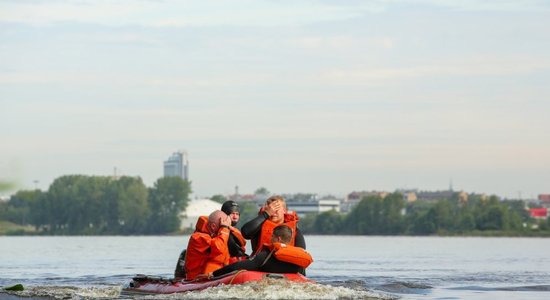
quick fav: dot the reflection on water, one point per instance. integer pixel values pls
(345, 267)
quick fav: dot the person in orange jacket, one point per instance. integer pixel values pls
(236, 242)
(275, 257)
(207, 248)
(272, 214)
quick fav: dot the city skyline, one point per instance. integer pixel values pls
(184, 172)
(177, 165)
(318, 96)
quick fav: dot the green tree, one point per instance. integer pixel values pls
(307, 223)
(520, 208)
(132, 204)
(76, 205)
(19, 208)
(19, 212)
(494, 217)
(544, 225)
(466, 222)
(329, 222)
(92, 194)
(422, 223)
(392, 221)
(442, 215)
(167, 199)
(365, 217)
(376, 215)
(64, 205)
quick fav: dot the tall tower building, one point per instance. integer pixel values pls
(177, 165)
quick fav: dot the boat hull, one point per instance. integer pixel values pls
(142, 284)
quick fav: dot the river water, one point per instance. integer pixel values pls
(345, 267)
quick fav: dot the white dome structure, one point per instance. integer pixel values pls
(195, 209)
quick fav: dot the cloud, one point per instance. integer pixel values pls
(327, 43)
(483, 5)
(373, 75)
(175, 13)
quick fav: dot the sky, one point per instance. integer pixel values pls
(324, 97)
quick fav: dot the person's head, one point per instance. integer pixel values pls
(214, 220)
(231, 208)
(278, 203)
(281, 234)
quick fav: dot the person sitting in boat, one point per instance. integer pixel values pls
(275, 257)
(207, 248)
(236, 242)
(272, 214)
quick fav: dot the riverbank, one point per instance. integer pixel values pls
(10, 229)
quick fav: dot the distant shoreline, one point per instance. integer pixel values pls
(473, 234)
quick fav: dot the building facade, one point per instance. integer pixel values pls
(544, 200)
(303, 208)
(177, 165)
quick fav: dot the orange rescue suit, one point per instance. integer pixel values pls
(206, 252)
(291, 254)
(290, 220)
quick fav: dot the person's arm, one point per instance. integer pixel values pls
(235, 249)
(253, 263)
(299, 240)
(218, 246)
(251, 228)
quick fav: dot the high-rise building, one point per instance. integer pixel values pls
(177, 165)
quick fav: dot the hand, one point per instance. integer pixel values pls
(272, 208)
(225, 221)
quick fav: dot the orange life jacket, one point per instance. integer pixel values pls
(291, 254)
(290, 220)
(201, 225)
(206, 253)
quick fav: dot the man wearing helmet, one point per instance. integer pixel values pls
(236, 242)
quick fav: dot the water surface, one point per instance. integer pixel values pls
(344, 267)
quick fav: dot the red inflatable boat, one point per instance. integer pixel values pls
(142, 284)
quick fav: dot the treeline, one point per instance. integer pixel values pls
(98, 205)
(392, 215)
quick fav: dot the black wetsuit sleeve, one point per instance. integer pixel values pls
(234, 247)
(299, 240)
(253, 227)
(252, 230)
(250, 264)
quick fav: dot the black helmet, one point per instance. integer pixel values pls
(230, 206)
